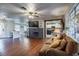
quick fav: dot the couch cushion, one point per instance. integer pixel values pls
(55, 52)
(70, 47)
(49, 41)
(55, 43)
(62, 45)
(44, 49)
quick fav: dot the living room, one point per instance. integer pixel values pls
(36, 29)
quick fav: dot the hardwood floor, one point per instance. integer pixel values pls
(20, 47)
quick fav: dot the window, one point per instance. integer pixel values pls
(17, 27)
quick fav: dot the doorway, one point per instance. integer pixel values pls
(1, 29)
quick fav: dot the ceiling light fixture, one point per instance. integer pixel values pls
(31, 10)
(33, 14)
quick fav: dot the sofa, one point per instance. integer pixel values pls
(67, 47)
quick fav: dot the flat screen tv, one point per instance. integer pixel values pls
(33, 24)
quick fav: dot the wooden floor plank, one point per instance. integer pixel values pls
(17, 47)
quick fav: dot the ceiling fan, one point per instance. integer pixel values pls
(29, 10)
(31, 14)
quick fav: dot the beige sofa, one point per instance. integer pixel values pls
(68, 49)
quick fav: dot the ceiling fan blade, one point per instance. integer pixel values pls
(19, 6)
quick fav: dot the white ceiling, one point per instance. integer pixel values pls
(46, 10)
